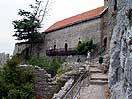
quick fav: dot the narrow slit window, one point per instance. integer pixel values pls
(115, 5)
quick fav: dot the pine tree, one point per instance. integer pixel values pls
(27, 28)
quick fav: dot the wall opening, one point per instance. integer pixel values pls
(115, 5)
(105, 43)
(79, 42)
(27, 52)
(66, 46)
(54, 46)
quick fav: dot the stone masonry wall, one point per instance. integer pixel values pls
(43, 83)
(104, 31)
(71, 35)
(120, 70)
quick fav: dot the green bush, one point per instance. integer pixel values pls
(50, 65)
(42, 62)
(15, 82)
(54, 66)
(84, 47)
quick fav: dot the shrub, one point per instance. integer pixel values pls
(50, 65)
(54, 66)
(85, 46)
(15, 82)
(42, 62)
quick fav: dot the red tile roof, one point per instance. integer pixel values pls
(86, 15)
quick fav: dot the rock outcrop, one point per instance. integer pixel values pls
(120, 70)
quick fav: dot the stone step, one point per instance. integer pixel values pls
(95, 70)
(99, 75)
(103, 79)
(98, 82)
(96, 66)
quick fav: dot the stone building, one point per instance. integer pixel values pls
(65, 34)
(68, 32)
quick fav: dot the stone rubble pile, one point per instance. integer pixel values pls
(3, 58)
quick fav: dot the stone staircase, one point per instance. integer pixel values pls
(98, 83)
(97, 76)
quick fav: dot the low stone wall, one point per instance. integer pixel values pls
(64, 89)
(71, 58)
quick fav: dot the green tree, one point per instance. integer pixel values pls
(15, 82)
(27, 28)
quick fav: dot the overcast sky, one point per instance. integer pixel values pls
(59, 9)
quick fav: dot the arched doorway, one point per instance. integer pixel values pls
(54, 46)
(105, 43)
(66, 46)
